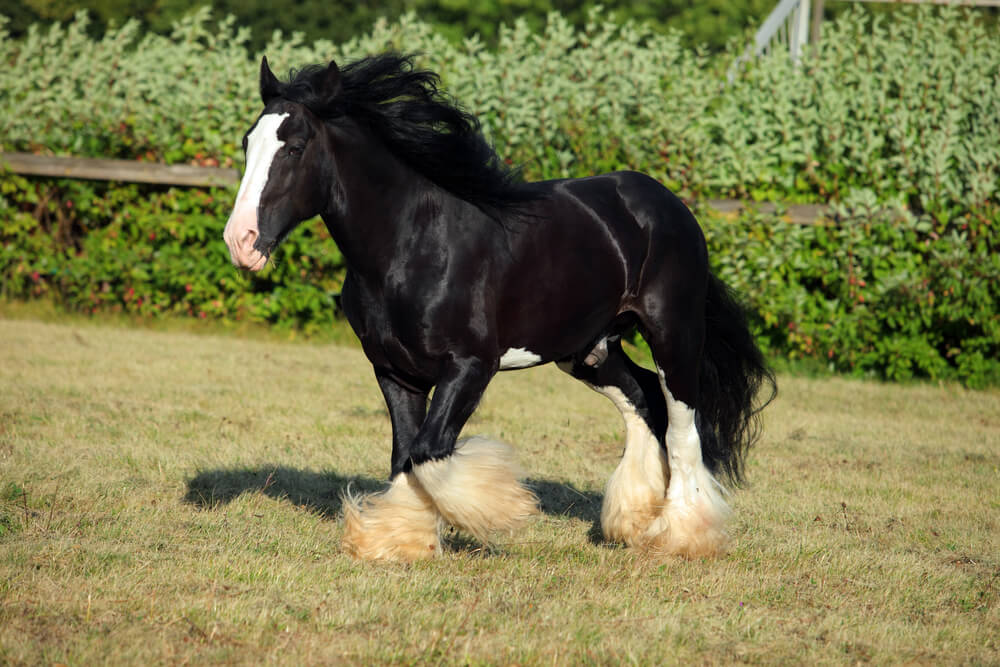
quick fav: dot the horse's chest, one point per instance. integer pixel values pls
(408, 330)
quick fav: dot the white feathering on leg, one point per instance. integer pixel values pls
(399, 524)
(693, 520)
(635, 493)
(477, 488)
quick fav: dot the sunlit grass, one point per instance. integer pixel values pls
(174, 497)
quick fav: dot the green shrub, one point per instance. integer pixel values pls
(156, 251)
(879, 293)
(898, 122)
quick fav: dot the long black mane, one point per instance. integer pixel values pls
(418, 122)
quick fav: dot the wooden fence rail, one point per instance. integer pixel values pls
(127, 171)
(800, 214)
(130, 171)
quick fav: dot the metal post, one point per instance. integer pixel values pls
(817, 21)
(800, 30)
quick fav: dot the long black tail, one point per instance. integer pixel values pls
(733, 373)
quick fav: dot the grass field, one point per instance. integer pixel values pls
(171, 497)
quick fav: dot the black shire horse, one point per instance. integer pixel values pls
(458, 269)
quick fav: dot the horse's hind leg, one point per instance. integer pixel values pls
(636, 491)
(692, 522)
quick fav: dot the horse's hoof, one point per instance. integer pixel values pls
(399, 524)
(477, 490)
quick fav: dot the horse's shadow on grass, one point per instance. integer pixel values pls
(323, 492)
(319, 492)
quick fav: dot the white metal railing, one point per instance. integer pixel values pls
(787, 25)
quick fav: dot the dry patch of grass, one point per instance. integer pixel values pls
(171, 497)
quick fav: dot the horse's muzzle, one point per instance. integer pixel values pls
(241, 237)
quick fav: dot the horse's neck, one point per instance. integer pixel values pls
(372, 203)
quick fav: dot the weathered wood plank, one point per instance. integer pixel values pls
(126, 171)
(801, 214)
(129, 171)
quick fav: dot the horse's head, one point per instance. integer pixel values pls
(285, 170)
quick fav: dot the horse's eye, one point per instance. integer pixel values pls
(295, 150)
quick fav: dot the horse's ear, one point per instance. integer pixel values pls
(331, 80)
(270, 87)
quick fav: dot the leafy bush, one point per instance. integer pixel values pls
(712, 23)
(899, 122)
(880, 293)
(153, 252)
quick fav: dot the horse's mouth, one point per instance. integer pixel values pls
(259, 264)
(264, 254)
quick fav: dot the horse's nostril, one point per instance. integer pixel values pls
(249, 238)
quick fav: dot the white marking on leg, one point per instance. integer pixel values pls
(518, 358)
(241, 229)
(477, 489)
(635, 493)
(694, 516)
(400, 523)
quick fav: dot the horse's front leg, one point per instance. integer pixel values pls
(407, 411)
(401, 523)
(474, 483)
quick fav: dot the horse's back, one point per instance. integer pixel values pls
(624, 202)
(652, 220)
(614, 220)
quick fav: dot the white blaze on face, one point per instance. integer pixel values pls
(241, 230)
